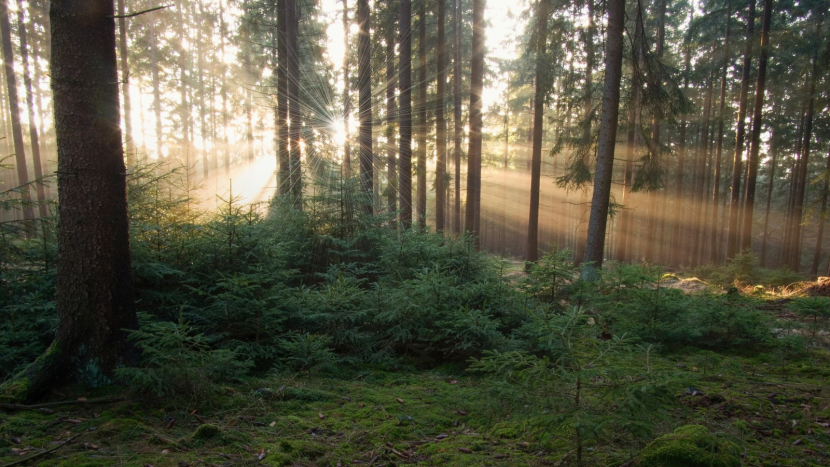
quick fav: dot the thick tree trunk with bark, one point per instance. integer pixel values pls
(538, 128)
(14, 110)
(94, 278)
(597, 224)
(752, 173)
(732, 244)
(440, 123)
(472, 220)
(364, 84)
(405, 115)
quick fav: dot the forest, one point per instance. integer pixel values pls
(414, 232)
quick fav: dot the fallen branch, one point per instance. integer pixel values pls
(10, 407)
(130, 15)
(41, 454)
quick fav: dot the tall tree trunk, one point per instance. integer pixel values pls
(347, 104)
(421, 169)
(14, 108)
(40, 185)
(94, 278)
(595, 245)
(364, 84)
(472, 219)
(653, 196)
(637, 55)
(154, 71)
(752, 173)
(184, 111)
(125, 81)
(223, 91)
(456, 107)
(697, 232)
(773, 153)
(678, 253)
(283, 146)
(821, 220)
(538, 128)
(294, 116)
(202, 122)
(440, 124)
(732, 244)
(249, 123)
(391, 163)
(716, 239)
(405, 115)
(795, 240)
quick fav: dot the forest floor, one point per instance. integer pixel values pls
(778, 414)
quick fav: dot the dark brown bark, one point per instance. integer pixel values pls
(421, 110)
(597, 224)
(364, 84)
(94, 279)
(440, 124)
(40, 185)
(538, 128)
(732, 244)
(405, 115)
(757, 121)
(472, 220)
(14, 110)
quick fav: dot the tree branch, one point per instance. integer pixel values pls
(137, 13)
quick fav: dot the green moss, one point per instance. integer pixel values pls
(16, 389)
(206, 432)
(690, 446)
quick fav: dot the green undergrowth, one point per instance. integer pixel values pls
(743, 403)
(323, 337)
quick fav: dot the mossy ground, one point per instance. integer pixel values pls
(776, 415)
